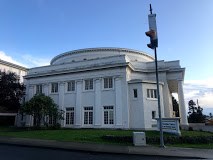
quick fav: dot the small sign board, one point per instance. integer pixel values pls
(170, 125)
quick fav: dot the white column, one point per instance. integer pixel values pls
(118, 101)
(97, 108)
(166, 98)
(183, 115)
(78, 103)
(61, 99)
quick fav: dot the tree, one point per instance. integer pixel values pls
(195, 113)
(11, 91)
(175, 107)
(41, 107)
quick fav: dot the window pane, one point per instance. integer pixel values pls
(67, 118)
(105, 83)
(71, 86)
(108, 115)
(90, 117)
(72, 118)
(85, 117)
(88, 84)
(155, 93)
(105, 117)
(54, 87)
(111, 117)
(108, 83)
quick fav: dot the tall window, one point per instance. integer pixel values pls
(71, 86)
(108, 82)
(70, 116)
(54, 87)
(88, 115)
(135, 92)
(152, 93)
(88, 84)
(108, 115)
(38, 89)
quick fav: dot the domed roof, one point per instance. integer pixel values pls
(95, 53)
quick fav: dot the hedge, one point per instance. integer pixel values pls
(167, 139)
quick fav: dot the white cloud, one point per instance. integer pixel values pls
(7, 58)
(34, 61)
(201, 90)
(26, 60)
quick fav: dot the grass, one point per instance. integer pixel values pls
(94, 135)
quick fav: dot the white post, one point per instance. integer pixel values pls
(97, 108)
(183, 115)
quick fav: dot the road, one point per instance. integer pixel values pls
(10, 152)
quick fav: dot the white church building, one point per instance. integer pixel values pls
(108, 88)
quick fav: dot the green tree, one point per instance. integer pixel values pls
(175, 107)
(11, 91)
(195, 113)
(40, 107)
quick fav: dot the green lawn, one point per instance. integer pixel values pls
(94, 135)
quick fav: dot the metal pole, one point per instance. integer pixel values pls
(159, 107)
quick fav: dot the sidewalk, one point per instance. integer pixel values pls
(105, 148)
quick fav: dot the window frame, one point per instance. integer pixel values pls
(88, 116)
(89, 84)
(152, 94)
(108, 83)
(39, 89)
(108, 115)
(72, 86)
(153, 115)
(54, 87)
(135, 93)
(70, 116)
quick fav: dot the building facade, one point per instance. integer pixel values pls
(9, 117)
(108, 88)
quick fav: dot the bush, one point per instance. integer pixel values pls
(190, 128)
(167, 139)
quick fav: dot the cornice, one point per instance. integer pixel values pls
(99, 49)
(13, 65)
(74, 70)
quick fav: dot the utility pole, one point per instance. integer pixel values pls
(152, 33)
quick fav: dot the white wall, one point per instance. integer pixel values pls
(136, 107)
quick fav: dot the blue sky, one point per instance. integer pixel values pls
(32, 32)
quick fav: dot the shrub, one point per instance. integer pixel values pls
(190, 128)
(167, 139)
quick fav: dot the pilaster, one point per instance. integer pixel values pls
(78, 107)
(61, 95)
(45, 88)
(97, 107)
(118, 101)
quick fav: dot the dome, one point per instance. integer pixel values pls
(95, 53)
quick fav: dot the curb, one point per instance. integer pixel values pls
(113, 149)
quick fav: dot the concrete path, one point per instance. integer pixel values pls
(117, 149)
